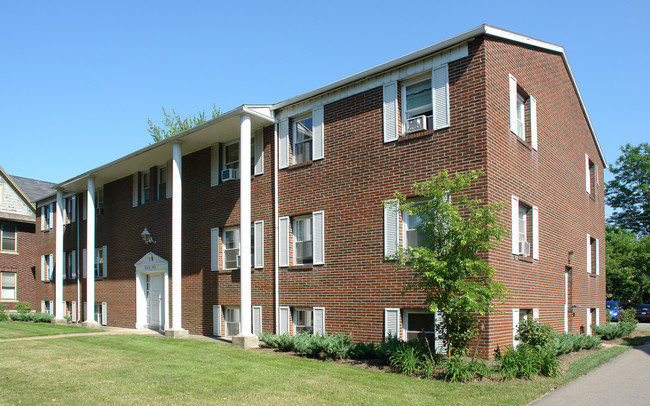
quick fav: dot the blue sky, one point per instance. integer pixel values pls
(79, 79)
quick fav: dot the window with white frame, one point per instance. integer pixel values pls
(521, 117)
(100, 313)
(69, 204)
(303, 321)
(162, 182)
(47, 267)
(146, 188)
(525, 229)
(233, 321)
(591, 176)
(46, 216)
(99, 201)
(231, 248)
(303, 240)
(302, 139)
(100, 262)
(8, 286)
(417, 101)
(419, 323)
(412, 234)
(593, 260)
(69, 262)
(231, 157)
(521, 105)
(8, 238)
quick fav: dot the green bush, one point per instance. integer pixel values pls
(20, 317)
(566, 343)
(459, 369)
(41, 317)
(627, 316)
(363, 350)
(310, 345)
(613, 331)
(406, 359)
(23, 307)
(3, 313)
(537, 335)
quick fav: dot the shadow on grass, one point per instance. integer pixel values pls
(636, 341)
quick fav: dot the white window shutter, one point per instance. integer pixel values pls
(588, 253)
(42, 267)
(515, 327)
(43, 306)
(391, 228)
(84, 257)
(42, 218)
(318, 117)
(83, 206)
(51, 219)
(283, 241)
(65, 308)
(283, 144)
(135, 189)
(104, 315)
(74, 311)
(216, 320)
(257, 320)
(258, 242)
(440, 346)
(391, 323)
(533, 123)
(440, 94)
(589, 321)
(259, 153)
(51, 307)
(319, 320)
(283, 320)
(319, 237)
(214, 165)
(74, 264)
(597, 317)
(168, 186)
(65, 268)
(515, 225)
(105, 253)
(513, 104)
(214, 249)
(391, 132)
(50, 269)
(535, 232)
(73, 215)
(536, 314)
(587, 179)
(85, 311)
(597, 258)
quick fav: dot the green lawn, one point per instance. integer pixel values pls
(130, 369)
(17, 329)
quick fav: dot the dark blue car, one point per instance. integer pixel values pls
(613, 308)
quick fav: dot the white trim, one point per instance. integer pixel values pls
(283, 241)
(391, 228)
(258, 244)
(283, 141)
(257, 320)
(318, 133)
(440, 97)
(513, 103)
(216, 320)
(588, 253)
(390, 112)
(318, 320)
(597, 258)
(533, 123)
(587, 175)
(515, 224)
(391, 322)
(283, 320)
(515, 327)
(259, 153)
(535, 232)
(215, 247)
(318, 237)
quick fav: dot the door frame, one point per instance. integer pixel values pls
(150, 264)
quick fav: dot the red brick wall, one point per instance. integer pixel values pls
(21, 262)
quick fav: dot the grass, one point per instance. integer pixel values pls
(127, 370)
(19, 329)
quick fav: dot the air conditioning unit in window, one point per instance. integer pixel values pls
(524, 248)
(229, 174)
(418, 123)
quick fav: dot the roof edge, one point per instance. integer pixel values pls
(18, 189)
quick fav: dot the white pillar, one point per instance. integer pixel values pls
(245, 223)
(90, 252)
(59, 311)
(177, 210)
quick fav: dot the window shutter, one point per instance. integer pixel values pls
(42, 267)
(391, 323)
(257, 320)
(84, 257)
(50, 269)
(168, 186)
(85, 311)
(589, 322)
(319, 237)
(588, 253)
(515, 225)
(391, 228)
(440, 346)
(319, 320)
(74, 264)
(515, 327)
(258, 242)
(105, 252)
(214, 249)
(51, 307)
(65, 308)
(587, 180)
(65, 268)
(73, 215)
(214, 165)
(440, 93)
(135, 189)
(42, 218)
(533, 123)
(283, 322)
(318, 116)
(74, 311)
(391, 132)
(259, 153)
(216, 320)
(283, 144)
(535, 233)
(83, 206)
(597, 258)
(597, 317)
(283, 241)
(536, 314)
(42, 306)
(513, 104)
(51, 219)
(104, 315)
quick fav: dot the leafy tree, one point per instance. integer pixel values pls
(628, 266)
(629, 193)
(449, 266)
(174, 124)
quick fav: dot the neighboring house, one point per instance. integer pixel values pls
(17, 239)
(155, 238)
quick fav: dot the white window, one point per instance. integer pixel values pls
(47, 267)
(303, 321)
(70, 265)
(419, 323)
(521, 117)
(69, 204)
(303, 241)
(593, 254)
(233, 321)
(523, 214)
(8, 238)
(412, 235)
(100, 313)
(519, 103)
(146, 188)
(231, 248)
(231, 156)
(519, 315)
(417, 101)
(101, 266)
(591, 176)
(47, 218)
(302, 139)
(8, 286)
(162, 182)
(525, 229)
(99, 201)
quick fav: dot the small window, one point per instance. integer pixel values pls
(302, 139)
(46, 220)
(69, 209)
(99, 314)
(592, 255)
(8, 238)
(162, 182)
(525, 229)
(231, 248)
(303, 321)
(7, 286)
(521, 117)
(417, 101)
(412, 235)
(303, 240)
(233, 321)
(591, 176)
(420, 324)
(99, 201)
(99, 262)
(523, 114)
(146, 187)
(49, 267)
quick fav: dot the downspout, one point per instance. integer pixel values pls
(77, 262)
(275, 215)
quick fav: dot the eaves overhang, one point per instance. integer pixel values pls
(22, 194)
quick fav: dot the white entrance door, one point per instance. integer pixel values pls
(154, 296)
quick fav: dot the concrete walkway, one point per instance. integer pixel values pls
(622, 381)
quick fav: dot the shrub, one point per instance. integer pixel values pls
(3, 313)
(362, 350)
(41, 317)
(406, 359)
(535, 334)
(23, 307)
(310, 345)
(613, 331)
(566, 343)
(627, 316)
(20, 317)
(459, 369)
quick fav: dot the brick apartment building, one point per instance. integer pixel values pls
(154, 239)
(17, 237)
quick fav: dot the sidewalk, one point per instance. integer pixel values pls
(622, 381)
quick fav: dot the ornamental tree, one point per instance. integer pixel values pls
(455, 231)
(174, 124)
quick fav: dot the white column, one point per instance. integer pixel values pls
(58, 257)
(90, 252)
(245, 223)
(177, 210)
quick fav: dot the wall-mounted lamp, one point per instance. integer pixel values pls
(570, 257)
(146, 237)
